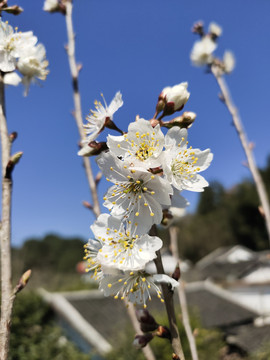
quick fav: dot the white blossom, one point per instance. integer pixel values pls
(142, 146)
(13, 45)
(50, 5)
(33, 65)
(121, 249)
(136, 287)
(183, 164)
(96, 120)
(136, 196)
(215, 29)
(201, 53)
(175, 97)
(228, 61)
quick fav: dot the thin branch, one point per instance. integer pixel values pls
(226, 97)
(77, 103)
(169, 303)
(182, 296)
(5, 233)
(78, 117)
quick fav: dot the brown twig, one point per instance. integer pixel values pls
(77, 103)
(226, 98)
(182, 296)
(78, 117)
(5, 232)
(169, 303)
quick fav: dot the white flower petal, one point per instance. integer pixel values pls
(165, 279)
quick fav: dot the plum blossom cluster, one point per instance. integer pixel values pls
(147, 170)
(20, 51)
(202, 53)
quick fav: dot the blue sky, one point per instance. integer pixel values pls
(137, 47)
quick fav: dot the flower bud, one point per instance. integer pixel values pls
(12, 162)
(167, 217)
(177, 273)
(160, 105)
(13, 136)
(147, 322)
(141, 341)
(163, 332)
(15, 10)
(214, 30)
(228, 62)
(183, 121)
(174, 97)
(87, 205)
(23, 281)
(198, 28)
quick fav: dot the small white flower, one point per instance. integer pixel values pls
(50, 5)
(183, 164)
(142, 146)
(228, 61)
(134, 286)
(33, 65)
(121, 249)
(97, 118)
(13, 45)
(215, 29)
(136, 195)
(175, 97)
(201, 53)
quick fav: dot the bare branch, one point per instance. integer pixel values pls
(218, 74)
(182, 296)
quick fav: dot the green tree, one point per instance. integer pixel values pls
(34, 335)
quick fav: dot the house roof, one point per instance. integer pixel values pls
(249, 337)
(216, 306)
(219, 271)
(107, 317)
(227, 254)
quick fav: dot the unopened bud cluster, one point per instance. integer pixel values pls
(202, 52)
(150, 328)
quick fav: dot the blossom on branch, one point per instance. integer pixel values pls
(33, 65)
(201, 53)
(96, 121)
(136, 287)
(13, 45)
(142, 146)
(121, 248)
(137, 195)
(183, 164)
